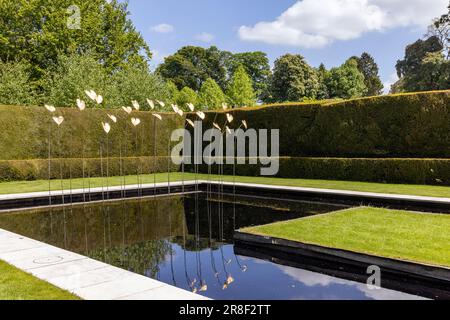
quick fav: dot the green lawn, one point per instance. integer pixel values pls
(18, 285)
(420, 190)
(411, 236)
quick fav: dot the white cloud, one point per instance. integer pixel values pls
(393, 78)
(205, 37)
(158, 56)
(163, 28)
(317, 23)
(314, 279)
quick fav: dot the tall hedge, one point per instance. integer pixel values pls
(383, 170)
(398, 138)
(25, 132)
(396, 126)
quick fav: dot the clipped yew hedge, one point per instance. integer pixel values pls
(38, 169)
(397, 139)
(408, 171)
(25, 131)
(413, 125)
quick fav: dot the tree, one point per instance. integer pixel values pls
(323, 74)
(440, 28)
(293, 79)
(423, 68)
(185, 96)
(192, 66)
(211, 95)
(369, 68)
(433, 73)
(173, 92)
(74, 74)
(256, 65)
(136, 83)
(41, 30)
(240, 90)
(15, 87)
(415, 53)
(346, 81)
(70, 77)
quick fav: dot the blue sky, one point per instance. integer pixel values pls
(327, 31)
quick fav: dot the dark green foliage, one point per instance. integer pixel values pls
(369, 68)
(441, 29)
(293, 79)
(29, 170)
(414, 55)
(15, 86)
(323, 74)
(406, 125)
(192, 66)
(25, 131)
(37, 32)
(256, 65)
(425, 67)
(405, 171)
(346, 81)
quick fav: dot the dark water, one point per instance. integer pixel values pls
(187, 242)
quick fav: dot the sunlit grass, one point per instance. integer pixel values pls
(412, 236)
(43, 185)
(18, 285)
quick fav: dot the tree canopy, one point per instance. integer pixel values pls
(240, 90)
(424, 67)
(293, 79)
(256, 65)
(192, 66)
(76, 73)
(346, 81)
(40, 31)
(211, 95)
(185, 96)
(369, 68)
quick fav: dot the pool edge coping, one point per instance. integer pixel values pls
(417, 269)
(82, 276)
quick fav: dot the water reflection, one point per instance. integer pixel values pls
(187, 242)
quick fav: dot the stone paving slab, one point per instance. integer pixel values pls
(319, 191)
(87, 278)
(67, 192)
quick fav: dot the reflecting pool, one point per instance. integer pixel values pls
(187, 241)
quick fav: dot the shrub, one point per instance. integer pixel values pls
(412, 171)
(15, 87)
(20, 170)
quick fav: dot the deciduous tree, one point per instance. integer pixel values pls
(39, 31)
(293, 79)
(346, 81)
